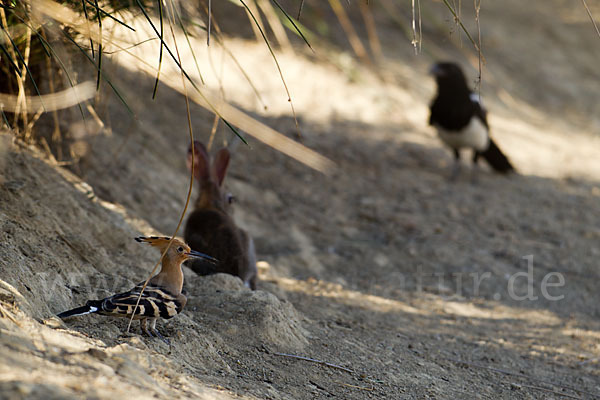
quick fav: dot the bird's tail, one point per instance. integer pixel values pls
(497, 160)
(92, 306)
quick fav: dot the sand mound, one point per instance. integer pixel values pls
(253, 317)
(70, 247)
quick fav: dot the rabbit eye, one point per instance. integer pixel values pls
(230, 198)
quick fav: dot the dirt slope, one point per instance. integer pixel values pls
(385, 268)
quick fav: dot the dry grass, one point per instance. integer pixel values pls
(36, 55)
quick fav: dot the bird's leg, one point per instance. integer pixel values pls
(456, 167)
(156, 333)
(144, 327)
(475, 170)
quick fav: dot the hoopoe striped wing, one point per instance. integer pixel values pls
(155, 302)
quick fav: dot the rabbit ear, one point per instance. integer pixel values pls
(201, 163)
(220, 165)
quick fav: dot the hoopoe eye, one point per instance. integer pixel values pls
(180, 249)
(230, 198)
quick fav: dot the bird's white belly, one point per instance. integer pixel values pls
(474, 135)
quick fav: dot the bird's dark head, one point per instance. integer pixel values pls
(446, 71)
(450, 79)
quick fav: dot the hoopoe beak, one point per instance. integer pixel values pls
(202, 256)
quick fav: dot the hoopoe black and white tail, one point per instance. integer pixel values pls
(92, 306)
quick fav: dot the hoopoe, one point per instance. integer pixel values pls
(162, 297)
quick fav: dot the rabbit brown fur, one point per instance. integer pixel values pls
(210, 227)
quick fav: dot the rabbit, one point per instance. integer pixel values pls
(210, 227)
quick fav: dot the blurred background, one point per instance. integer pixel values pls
(363, 62)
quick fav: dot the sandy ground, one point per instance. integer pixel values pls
(410, 285)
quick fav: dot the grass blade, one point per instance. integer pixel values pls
(291, 21)
(160, 52)
(187, 38)
(276, 23)
(371, 27)
(276, 63)
(22, 59)
(107, 14)
(12, 62)
(307, 33)
(103, 76)
(5, 119)
(51, 53)
(143, 9)
(209, 22)
(235, 60)
(52, 101)
(457, 19)
(589, 13)
(99, 45)
(87, 19)
(246, 76)
(353, 38)
(189, 194)
(300, 9)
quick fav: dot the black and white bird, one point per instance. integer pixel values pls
(162, 297)
(460, 119)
